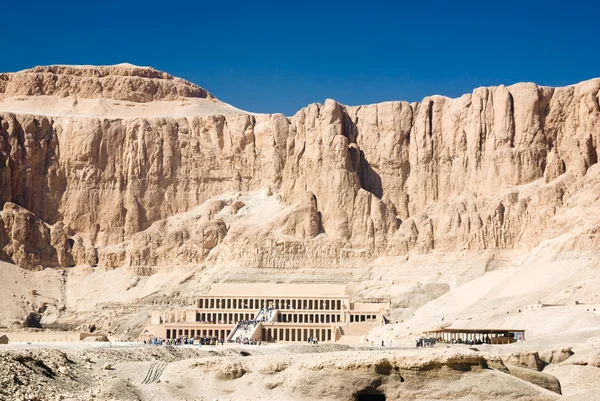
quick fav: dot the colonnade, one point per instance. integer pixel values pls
(269, 302)
(300, 316)
(293, 334)
(284, 316)
(222, 317)
(191, 333)
(355, 318)
(304, 317)
(287, 317)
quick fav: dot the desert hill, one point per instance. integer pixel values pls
(122, 91)
(501, 168)
(118, 82)
(153, 189)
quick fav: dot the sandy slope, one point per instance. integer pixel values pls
(115, 109)
(496, 299)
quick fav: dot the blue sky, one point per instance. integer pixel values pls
(279, 56)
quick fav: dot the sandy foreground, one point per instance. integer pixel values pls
(133, 371)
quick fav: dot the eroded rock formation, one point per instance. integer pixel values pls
(496, 169)
(119, 82)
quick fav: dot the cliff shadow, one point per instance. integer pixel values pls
(369, 178)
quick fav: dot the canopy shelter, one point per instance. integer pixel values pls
(492, 336)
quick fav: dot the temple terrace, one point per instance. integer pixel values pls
(272, 313)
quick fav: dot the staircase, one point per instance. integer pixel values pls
(241, 332)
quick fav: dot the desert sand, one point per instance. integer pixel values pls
(299, 372)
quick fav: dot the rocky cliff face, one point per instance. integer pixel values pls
(501, 168)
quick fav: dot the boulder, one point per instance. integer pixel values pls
(541, 379)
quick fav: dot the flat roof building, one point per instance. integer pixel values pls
(493, 336)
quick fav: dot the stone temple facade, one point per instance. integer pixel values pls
(272, 313)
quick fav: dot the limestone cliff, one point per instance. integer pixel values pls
(501, 168)
(119, 82)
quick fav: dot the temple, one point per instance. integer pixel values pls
(273, 313)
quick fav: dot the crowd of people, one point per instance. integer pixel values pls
(245, 324)
(426, 342)
(247, 341)
(154, 341)
(264, 315)
(185, 341)
(486, 340)
(430, 342)
(264, 312)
